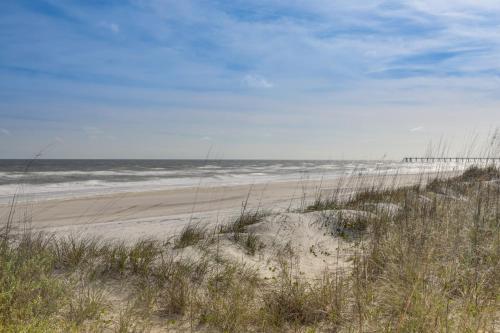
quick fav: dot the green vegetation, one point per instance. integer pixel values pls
(239, 233)
(321, 203)
(190, 235)
(245, 219)
(432, 267)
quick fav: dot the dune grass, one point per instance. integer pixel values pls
(190, 235)
(238, 229)
(432, 267)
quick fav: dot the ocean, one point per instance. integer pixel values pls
(45, 178)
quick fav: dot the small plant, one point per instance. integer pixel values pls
(475, 173)
(252, 243)
(240, 224)
(238, 228)
(30, 296)
(129, 322)
(87, 304)
(298, 303)
(142, 256)
(247, 218)
(71, 252)
(323, 204)
(384, 195)
(115, 258)
(190, 235)
(230, 302)
(174, 297)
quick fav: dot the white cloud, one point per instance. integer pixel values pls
(5, 131)
(113, 27)
(206, 138)
(417, 129)
(257, 81)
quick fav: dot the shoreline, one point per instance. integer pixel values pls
(61, 185)
(161, 213)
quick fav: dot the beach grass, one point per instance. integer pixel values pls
(424, 258)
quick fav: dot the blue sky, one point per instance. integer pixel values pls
(246, 79)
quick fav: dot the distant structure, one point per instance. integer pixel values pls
(450, 159)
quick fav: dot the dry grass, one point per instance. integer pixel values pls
(322, 203)
(291, 302)
(238, 230)
(245, 219)
(190, 235)
(86, 305)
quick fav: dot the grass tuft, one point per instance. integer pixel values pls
(142, 255)
(86, 304)
(321, 203)
(191, 235)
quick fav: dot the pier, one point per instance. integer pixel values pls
(450, 159)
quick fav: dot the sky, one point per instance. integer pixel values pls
(296, 79)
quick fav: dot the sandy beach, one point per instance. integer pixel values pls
(163, 213)
(249, 166)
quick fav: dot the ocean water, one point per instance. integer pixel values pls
(69, 178)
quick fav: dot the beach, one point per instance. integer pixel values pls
(282, 255)
(163, 213)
